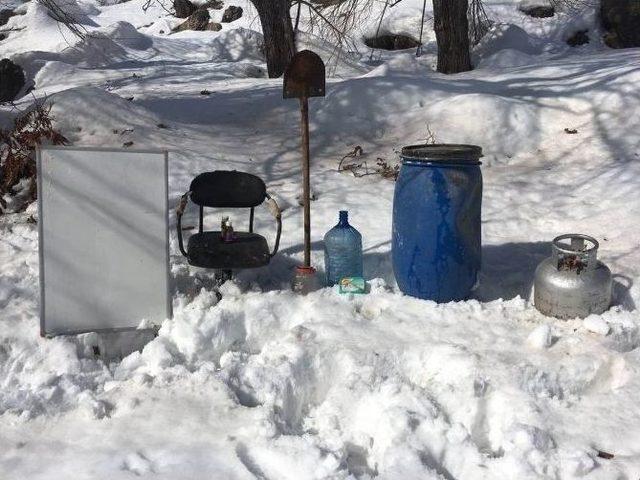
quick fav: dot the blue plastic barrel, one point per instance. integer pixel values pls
(436, 221)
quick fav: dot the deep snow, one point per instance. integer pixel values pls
(270, 385)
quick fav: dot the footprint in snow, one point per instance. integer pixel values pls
(243, 455)
(137, 464)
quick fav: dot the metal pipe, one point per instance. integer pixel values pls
(419, 49)
(180, 240)
(295, 28)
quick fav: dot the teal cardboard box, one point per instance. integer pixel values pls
(352, 285)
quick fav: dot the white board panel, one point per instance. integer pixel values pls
(104, 254)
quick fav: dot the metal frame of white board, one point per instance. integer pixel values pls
(39, 151)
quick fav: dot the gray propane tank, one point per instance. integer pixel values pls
(572, 282)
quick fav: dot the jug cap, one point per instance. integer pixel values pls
(443, 153)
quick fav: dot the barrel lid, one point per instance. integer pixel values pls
(442, 152)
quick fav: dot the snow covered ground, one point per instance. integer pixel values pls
(266, 384)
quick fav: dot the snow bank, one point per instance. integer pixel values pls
(349, 387)
(100, 118)
(52, 36)
(521, 111)
(237, 44)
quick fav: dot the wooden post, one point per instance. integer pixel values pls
(304, 77)
(304, 110)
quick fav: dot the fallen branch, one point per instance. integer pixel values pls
(361, 169)
(17, 162)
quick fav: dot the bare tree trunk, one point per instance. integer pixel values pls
(279, 42)
(621, 19)
(452, 34)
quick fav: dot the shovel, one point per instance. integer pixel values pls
(304, 77)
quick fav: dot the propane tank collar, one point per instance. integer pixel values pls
(560, 248)
(578, 256)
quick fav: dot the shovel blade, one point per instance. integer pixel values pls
(304, 77)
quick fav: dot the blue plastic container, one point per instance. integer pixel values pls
(342, 251)
(436, 221)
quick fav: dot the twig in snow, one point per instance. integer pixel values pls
(605, 455)
(361, 169)
(58, 14)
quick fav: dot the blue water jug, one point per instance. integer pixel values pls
(436, 246)
(342, 251)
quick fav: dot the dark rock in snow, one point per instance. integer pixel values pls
(214, 4)
(215, 27)
(253, 71)
(5, 15)
(11, 80)
(197, 21)
(621, 19)
(538, 11)
(579, 38)
(2, 36)
(391, 42)
(183, 8)
(231, 14)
